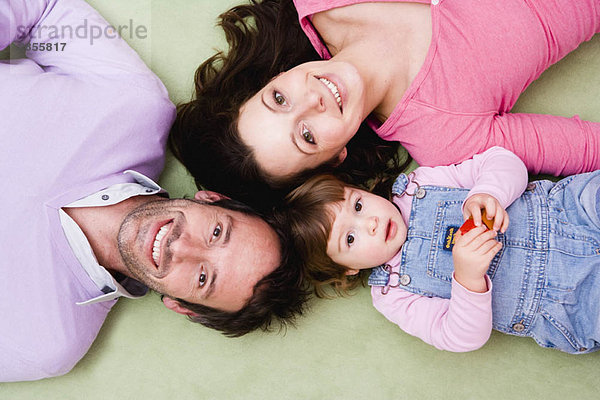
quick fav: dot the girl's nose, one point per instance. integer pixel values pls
(372, 225)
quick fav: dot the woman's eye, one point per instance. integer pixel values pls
(358, 205)
(202, 279)
(279, 99)
(350, 239)
(217, 232)
(307, 136)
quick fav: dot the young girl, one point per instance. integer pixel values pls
(536, 273)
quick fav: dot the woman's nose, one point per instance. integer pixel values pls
(314, 101)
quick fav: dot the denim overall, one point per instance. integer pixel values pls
(546, 277)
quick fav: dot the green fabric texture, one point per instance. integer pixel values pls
(342, 348)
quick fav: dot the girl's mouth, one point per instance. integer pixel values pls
(391, 230)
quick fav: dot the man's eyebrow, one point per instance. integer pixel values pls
(211, 285)
(229, 229)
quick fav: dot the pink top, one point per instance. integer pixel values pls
(463, 322)
(483, 54)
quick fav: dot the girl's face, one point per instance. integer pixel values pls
(303, 117)
(368, 231)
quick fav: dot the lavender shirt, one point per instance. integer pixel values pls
(73, 120)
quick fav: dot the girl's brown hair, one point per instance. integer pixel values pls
(310, 218)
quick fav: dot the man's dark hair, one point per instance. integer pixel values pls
(264, 40)
(279, 297)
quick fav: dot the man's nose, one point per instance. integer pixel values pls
(184, 249)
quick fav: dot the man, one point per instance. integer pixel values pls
(82, 136)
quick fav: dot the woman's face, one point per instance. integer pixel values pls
(303, 117)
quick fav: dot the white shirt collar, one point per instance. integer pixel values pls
(82, 249)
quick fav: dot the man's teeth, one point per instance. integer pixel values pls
(159, 236)
(334, 90)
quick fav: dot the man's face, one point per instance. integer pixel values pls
(197, 252)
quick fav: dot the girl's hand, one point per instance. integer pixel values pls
(472, 254)
(493, 209)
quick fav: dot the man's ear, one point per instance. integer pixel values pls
(342, 156)
(209, 196)
(352, 271)
(175, 306)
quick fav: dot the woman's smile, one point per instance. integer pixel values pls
(335, 91)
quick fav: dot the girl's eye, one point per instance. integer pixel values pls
(350, 239)
(307, 136)
(217, 232)
(202, 279)
(279, 99)
(358, 205)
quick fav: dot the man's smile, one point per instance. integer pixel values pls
(156, 246)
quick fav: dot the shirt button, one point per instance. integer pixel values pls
(404, 279)
(531, 187)
(435, 2)
(105, 197)
(518, 327)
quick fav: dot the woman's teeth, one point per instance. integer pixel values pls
(157, 240)
(334, 90)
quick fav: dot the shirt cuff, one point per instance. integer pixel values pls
(457, 286)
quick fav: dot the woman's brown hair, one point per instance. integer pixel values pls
(264, 40)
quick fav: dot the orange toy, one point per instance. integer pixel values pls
(469, 224)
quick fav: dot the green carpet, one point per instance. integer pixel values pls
(342, 349)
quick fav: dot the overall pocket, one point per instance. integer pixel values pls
(448, 218)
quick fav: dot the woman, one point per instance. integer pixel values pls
(439, 78)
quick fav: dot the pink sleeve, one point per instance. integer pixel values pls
(549, 143)
(497, 172)
(461, 323)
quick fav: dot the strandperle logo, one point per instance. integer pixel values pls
(85, 30)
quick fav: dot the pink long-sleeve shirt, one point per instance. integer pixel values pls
(463, 322)
(483, 54)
